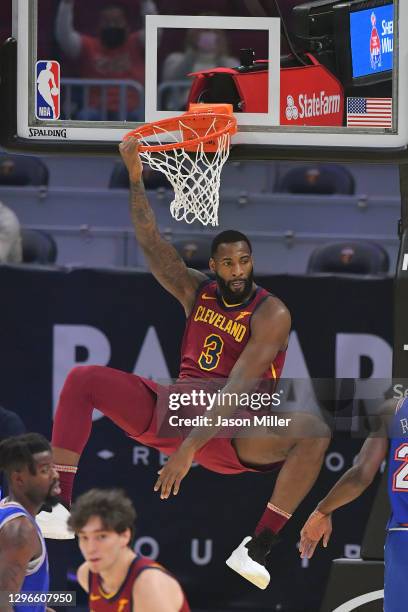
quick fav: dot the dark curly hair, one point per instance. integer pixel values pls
(112, 506)
(17, 452)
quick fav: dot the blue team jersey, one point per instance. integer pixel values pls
(398, 466)
(37, 574)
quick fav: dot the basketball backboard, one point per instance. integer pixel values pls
(84, 80)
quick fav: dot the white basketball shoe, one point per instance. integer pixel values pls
(53, 524)
(241, 562)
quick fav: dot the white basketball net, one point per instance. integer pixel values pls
(195, 177)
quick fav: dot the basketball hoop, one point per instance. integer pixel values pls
(190, 150)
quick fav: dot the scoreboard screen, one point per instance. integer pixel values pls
(372, 40)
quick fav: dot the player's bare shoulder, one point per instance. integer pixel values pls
(19, 543)
(154, 589)
(271, 314)
(385, 414)
(19, 533)
(83, 576)
(197, 277)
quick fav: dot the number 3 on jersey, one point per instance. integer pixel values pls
(400, 482)
(211, 353)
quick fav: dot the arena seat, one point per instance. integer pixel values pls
(38, 247)
(92, 226)
(248, 177)
(317, 179)
(79, 171)
(349, 258)
(152, 178)
(194, 251)
(383, 182)
(22, 170)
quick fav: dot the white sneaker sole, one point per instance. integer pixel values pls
(241, 562)
(53, 524)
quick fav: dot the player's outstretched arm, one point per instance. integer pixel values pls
(156, 591)
(164, 262)
(350, 486)
(18, 543)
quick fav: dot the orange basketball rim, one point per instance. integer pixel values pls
(190, 150)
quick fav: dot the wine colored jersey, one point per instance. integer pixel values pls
(398, 467)
(122, 600)
(217, 333)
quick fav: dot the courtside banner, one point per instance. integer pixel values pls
(52, 320)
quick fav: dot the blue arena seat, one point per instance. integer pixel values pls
(195, 251)
(349, 258)
(152, 178)
(317, 179)
(92, 226)
(38, 247)
(22, 170)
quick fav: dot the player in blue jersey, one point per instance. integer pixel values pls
(33, 481)
(393, 439)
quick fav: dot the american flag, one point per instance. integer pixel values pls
(369, 112)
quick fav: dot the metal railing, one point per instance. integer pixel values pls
(171, 95)
(71, 107)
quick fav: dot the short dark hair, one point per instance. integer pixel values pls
(116, 5)
(17, 452)
(227, 237)
(112, 506)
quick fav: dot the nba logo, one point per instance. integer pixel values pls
(375, 44)
(47, 98)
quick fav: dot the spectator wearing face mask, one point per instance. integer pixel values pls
(204, 49)
(115, 53)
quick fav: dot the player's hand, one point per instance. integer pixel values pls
(171, 475)
(317, 526)
(129, 150)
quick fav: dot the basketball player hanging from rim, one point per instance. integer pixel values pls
(130, 401)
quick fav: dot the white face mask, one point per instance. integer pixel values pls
(207, 41)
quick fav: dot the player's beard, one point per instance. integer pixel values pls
(52, 500)
(39, 500)
(232, 297)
